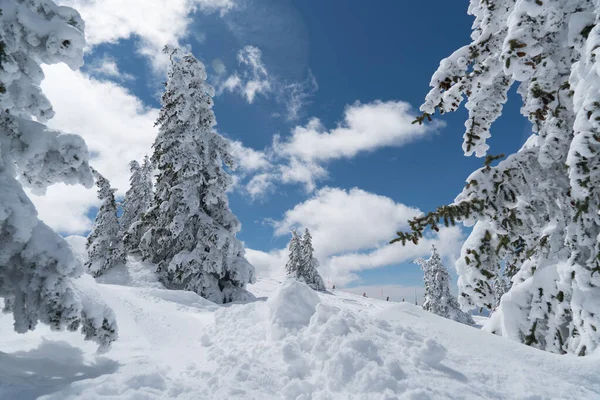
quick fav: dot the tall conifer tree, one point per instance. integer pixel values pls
(37, 267)
(539, 207)
(309, 272)
(438, 299)
(104, 246)
(190, 230)
(137, 201)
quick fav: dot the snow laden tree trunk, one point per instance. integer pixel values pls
(104, 245)
(190, 230)
(137, 200)
(309, 265)
(293, 267)
(37, 267)
(438, 299)
(539, 206)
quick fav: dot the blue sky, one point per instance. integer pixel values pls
(323, 58)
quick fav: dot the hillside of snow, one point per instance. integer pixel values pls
(291, 343)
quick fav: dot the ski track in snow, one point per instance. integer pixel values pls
(289, 344)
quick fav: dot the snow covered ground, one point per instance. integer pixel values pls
(290, 343)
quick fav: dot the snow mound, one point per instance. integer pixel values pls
(292, 306)
(297, 347)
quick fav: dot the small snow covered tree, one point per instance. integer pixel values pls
(190, 232)
(438, 299)
(500, 286)
(294, 264)
(137, 200)
(537, 210)
(104, 246)
(309, 265)
(37, 267)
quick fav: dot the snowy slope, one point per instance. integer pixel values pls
(291, 343)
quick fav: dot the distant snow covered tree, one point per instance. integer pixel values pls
(104, 245)
(294, 264)
(302, 265)
(137, 200)
(438, 299)
(189, 229)
(37, 267)
(500, 287)
(309, 265)
(540, 205)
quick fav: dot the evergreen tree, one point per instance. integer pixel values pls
(438, 299)
(540, 205)
(308, 271)
(189, 229)
(105, 249)
(37, 267)
(294, 264)
(137, 200)
(500, 287)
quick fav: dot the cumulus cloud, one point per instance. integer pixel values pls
(364, 128)
(249, 160)
(117, 128)
(342, 221)
(154, 22)
(302, 156)
(351, 231)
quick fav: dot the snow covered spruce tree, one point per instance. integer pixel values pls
(137, 200)
(500, 287)
(438, 299)
(309, 272)
(294, 264)
(302, 265)
(37, 267)
(536, 212)
(190, 230)
(104, 245)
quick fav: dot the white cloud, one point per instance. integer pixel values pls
(117, 128)
(270, 264)
(344, 267)
(297, 94)
(219, 67)
(341, 220)
(249, 160)
(351, 232)
(259, 185)
(106, 67)
(155, 22)
(254, 78)
(364, 128)
(301, 157)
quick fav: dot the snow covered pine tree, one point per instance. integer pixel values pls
(104, 245)
(137, 200)
(190, 230)
(536, 212)
(438, 299)
(293, 266)
(37, 267)
(309, 272)
(302, 265)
